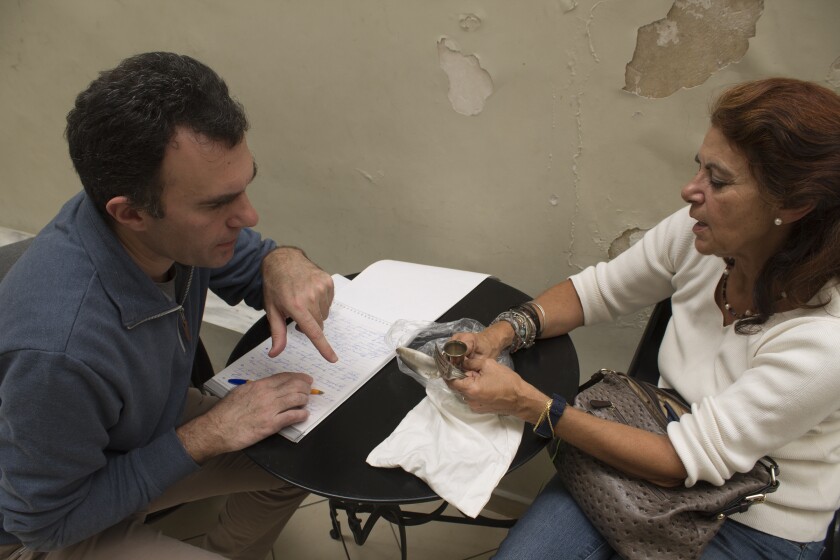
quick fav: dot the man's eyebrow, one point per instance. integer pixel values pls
(229, 197)
(220, 200)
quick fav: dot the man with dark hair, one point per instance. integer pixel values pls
(100, 322)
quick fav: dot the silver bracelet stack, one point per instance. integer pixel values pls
(527, 321)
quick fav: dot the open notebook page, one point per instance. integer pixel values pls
(357, 337)
(361, 315)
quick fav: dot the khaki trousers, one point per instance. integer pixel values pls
(256, 510)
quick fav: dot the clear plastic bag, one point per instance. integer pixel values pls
(426, 336)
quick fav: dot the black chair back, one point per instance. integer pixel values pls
(645, 363)
(9, 254)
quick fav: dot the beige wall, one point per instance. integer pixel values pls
(364, 156)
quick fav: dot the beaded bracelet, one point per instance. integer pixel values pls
(518, 324)
(532, 327)
(532, 313)
(523, 325)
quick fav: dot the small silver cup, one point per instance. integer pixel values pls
(450, 358)
(455, 352)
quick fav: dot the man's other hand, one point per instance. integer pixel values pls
(248, 414)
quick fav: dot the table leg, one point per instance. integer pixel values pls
(361, 531)
(402, 519)
(391, 513)
(335, 532)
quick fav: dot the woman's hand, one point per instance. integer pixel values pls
(489, 343)
(494, 388)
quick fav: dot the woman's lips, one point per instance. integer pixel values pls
(699, 226)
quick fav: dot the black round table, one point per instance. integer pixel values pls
(330, 460)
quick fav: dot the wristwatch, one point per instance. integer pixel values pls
(549, 417)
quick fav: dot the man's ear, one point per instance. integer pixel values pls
(790, 215)
(123, 213)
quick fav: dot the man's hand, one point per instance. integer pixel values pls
(295, 287)
(248, 414)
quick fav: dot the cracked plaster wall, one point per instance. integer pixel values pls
(696, 39)
(469, 84)
(491, 136)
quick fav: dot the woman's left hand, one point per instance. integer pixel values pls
(489, 343)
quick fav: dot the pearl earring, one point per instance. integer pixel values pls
(777, 221)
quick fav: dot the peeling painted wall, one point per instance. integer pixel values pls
(469, 84)
(404, 129)
(696, 39)
(833, 77)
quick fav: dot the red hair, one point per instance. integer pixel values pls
(789, 132)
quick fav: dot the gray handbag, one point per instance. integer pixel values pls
(639, 519)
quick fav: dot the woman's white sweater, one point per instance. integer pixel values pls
(776, 392)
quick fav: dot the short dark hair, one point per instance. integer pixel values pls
(120, 125)
(789, 132)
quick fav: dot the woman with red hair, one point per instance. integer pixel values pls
(752, 268)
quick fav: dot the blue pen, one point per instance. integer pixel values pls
(234, 381)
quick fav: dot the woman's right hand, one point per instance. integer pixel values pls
(489, 343)
(491, 387)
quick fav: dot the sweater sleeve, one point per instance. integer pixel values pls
(241, 278)
(58, 484)
(785, 403)
(638, 277)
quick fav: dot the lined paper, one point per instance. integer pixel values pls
(360, 317)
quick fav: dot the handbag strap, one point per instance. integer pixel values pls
(743, 503)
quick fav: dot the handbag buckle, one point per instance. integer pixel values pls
(742, 506)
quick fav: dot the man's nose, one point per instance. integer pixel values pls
(245, 214)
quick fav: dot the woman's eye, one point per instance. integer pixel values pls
(716, 184)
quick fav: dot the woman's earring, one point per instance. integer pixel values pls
(777, 221)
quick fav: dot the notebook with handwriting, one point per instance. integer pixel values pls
(361, 315)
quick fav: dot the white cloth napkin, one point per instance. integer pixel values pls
(460, 454)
